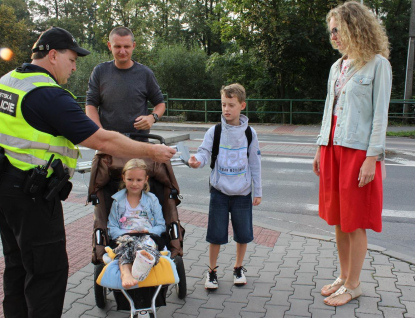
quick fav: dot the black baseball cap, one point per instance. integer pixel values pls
(58, 39)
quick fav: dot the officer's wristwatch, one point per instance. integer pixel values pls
(156, 117)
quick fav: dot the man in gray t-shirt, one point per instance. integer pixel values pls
(119, 90)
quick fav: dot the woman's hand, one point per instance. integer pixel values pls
(316, 162)
(367, 171)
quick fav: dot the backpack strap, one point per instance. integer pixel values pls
(215, 147)
(248, 134)
(216, 140)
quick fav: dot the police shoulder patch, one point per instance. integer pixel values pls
(8, 102)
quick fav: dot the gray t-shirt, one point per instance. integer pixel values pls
(121, 95)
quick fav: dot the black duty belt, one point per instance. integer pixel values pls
(15, 172)
(35, 182)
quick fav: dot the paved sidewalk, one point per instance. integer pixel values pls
(285, 273)
(286, 269)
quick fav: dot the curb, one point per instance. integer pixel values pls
(177, 127)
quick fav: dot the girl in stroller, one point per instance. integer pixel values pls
(136, 223)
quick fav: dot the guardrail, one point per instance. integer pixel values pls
(285, 111)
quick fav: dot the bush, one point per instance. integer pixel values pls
(78, 82)
(181, 71)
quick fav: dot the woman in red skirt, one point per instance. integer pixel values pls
(351, 143)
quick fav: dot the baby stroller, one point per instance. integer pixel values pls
(104, 182)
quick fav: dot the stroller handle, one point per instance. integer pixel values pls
(150, 136)
(181, 157)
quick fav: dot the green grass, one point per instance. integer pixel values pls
(410, 134)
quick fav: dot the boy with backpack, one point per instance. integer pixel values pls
(236, 171)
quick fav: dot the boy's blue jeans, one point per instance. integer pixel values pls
(240, 208)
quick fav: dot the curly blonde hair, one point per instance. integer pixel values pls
(361, 34)
(135, 164)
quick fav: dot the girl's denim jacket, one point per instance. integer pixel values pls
(150, 204)
(362, 116)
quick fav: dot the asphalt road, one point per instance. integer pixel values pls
(290, 193)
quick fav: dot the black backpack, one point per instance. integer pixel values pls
(216, 140)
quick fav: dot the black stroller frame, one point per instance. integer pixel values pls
(105, 177)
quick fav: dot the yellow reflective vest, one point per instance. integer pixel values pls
(25, 146)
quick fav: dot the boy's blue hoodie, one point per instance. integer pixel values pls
(234, 173)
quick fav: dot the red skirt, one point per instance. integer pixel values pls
(341, 201)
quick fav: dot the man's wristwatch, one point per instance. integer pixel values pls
(156, 117)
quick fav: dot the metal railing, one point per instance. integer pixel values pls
(284, 111)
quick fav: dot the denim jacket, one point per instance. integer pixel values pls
(362, 118)
(150, 204)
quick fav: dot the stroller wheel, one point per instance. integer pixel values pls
(145, 315)
(100, 292)
(181, 287)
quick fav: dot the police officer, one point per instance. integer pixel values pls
(38, 119)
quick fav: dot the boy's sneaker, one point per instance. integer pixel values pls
(211, 279)
(239, 278)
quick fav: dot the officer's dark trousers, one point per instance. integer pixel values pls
(34, 248)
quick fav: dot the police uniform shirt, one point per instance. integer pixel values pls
(54, 111)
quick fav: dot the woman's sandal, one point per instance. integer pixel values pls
(354, 293)
(337, 283)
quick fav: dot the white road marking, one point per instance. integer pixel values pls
(399, 214)
(274, 142)
(385, 212)
(397, 162)
(286, 207)
(287, 160)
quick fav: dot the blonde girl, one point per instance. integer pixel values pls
(135, 212)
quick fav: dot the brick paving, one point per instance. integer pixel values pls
(285, 274)
(286, 270)
(79, 233)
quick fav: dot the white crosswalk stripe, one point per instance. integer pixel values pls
(398, 162)
(385, 212)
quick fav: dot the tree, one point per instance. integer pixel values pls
(15, 37)
(291, 39)
(20, 9)
(394, 15)
(76, 16)
(202, 20)
(237, 67)
(275, 48)
(78, 82)
(181, 73)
